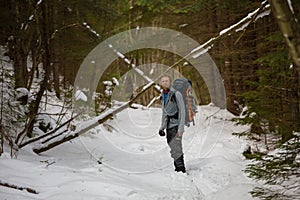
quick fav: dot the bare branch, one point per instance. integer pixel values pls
(30, 190)
(47, 134)
(90, 124)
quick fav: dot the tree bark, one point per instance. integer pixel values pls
(19, 43)
(1, 139)
(55, 49)
(46, 60)
(289, 27)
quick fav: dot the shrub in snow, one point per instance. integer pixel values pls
(22, 95)
(279, 171)
(45, 123)
(14, 106)
(103, 100)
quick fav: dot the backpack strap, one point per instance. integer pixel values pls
(172, 98)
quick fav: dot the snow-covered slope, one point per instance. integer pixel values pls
(127, 159)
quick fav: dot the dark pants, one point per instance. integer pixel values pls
(175, 143)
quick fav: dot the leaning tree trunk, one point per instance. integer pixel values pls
(92, 123)
(289, 27)
(20, 41)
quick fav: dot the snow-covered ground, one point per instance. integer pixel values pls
(127, 159)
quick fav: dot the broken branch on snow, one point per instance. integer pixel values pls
(103, 117)
(28, 189)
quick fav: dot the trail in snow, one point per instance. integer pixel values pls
(136, 163)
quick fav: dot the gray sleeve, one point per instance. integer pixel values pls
(163, 118)
(181, 111)
(162, 125)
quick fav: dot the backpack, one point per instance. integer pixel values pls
(184, 86)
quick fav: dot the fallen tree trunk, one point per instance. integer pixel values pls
(47, 134)
(103, 117)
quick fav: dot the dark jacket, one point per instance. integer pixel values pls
(171, 108)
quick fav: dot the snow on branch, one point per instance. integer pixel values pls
(124, 58)
(240, 25)
(103, 117)
(134, 67)
(153, 100)
(59, 130)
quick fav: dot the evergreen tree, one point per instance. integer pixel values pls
(279, 171)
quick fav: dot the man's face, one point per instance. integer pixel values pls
(165, 82)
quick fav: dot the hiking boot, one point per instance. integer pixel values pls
(180, 169)
(179, 164)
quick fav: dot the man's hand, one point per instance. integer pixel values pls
(162, 133)
(180, 134)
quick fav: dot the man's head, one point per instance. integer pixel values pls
(166, 82)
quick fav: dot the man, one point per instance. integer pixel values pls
(173, 118)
